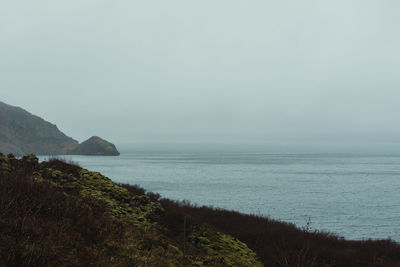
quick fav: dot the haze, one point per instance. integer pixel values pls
(205, 71)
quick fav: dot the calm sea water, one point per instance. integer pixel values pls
(352, 195)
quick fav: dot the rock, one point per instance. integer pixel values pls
(95, 146)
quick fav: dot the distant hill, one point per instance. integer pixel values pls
(23, 133)
(95, 146)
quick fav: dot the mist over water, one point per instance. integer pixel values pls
(205, 71)
(281, 108)
(354, 195)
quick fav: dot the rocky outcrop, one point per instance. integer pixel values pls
(95, 146)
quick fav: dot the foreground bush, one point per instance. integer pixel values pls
(278, 243)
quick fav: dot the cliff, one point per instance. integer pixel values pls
(22, 133)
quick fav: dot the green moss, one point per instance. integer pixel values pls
(4, 164)
(31, 159)
(221, 249)
(4, 167)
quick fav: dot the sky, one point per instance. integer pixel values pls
(205, 71)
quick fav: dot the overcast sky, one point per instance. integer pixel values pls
(209, 70)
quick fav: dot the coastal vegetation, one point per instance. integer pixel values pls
(56, 213)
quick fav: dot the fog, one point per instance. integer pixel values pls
(206, 71)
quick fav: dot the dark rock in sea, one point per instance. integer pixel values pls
(95, 146)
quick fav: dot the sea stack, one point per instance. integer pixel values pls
(95, 146)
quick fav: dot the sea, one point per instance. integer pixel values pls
(353, 195)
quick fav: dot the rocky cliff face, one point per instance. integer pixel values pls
(22, 133)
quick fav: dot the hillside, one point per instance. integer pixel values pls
(22, 133)
(58, 214)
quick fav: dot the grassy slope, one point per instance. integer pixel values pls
(56, 213)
